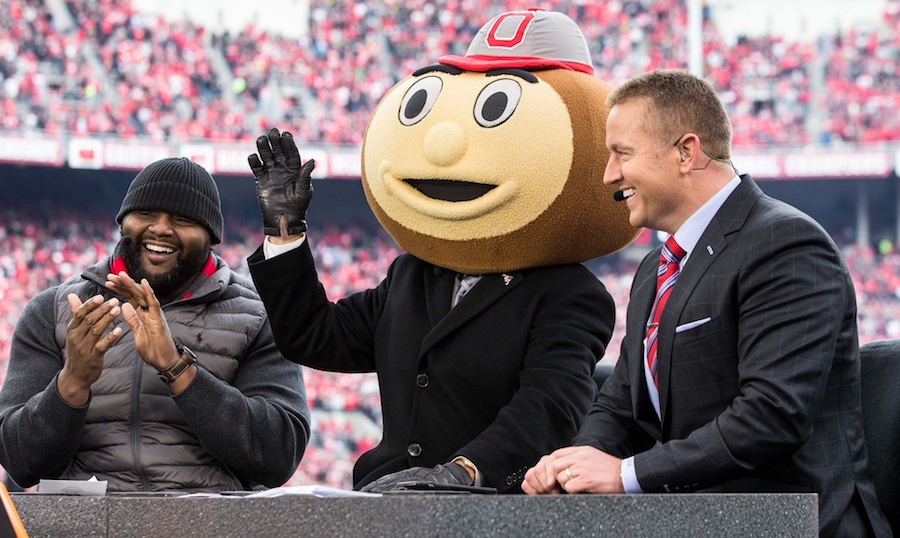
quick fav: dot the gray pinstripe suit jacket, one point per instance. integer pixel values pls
(762, 397)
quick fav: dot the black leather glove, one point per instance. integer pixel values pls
(447, 473)
(283, 187)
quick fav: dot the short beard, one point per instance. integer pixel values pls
(188, 265)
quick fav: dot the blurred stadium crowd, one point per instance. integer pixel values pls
(99, 67)
(95, 67)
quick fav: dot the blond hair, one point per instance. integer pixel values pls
(680, 103)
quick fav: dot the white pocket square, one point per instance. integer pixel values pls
(692, 325)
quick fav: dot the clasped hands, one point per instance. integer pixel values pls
(575, 469)
(87, 339)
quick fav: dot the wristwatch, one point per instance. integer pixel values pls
(186, 358)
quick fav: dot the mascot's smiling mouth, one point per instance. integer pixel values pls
(450, 190)
(443, 199)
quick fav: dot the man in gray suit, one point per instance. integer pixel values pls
(753, 380)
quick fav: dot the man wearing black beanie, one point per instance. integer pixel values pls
(155, 369)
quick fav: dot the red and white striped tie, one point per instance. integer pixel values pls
(666, 276)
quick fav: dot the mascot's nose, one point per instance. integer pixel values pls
(445, 143)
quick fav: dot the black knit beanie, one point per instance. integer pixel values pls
(177, 186)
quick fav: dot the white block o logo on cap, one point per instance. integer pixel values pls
(513, 25)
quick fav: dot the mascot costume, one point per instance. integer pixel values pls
(487, 170)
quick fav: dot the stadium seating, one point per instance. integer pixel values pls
(880, 365)
(602, 371)
(101, 67)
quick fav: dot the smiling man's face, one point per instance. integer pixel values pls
(168, 250)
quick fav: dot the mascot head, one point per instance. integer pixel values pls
(493, 161)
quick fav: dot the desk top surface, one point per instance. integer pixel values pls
(732, 515)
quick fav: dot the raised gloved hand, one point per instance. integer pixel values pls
(283, 187)
(446, 473)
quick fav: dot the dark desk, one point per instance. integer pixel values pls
(688, 515)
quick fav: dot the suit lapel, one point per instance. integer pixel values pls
(439, 282)
(487, 291)
(641, 301)
(711, 244)
(730, 218)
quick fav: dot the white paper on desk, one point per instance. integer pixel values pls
(311, 491)
(73, 487)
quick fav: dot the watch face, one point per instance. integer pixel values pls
(186, 354)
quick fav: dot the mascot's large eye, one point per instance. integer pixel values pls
(419, 99)
(497, 102)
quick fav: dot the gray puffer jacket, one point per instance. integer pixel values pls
(246, 400)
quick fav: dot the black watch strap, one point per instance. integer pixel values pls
(186, 358)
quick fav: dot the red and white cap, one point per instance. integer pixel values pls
(531, 39)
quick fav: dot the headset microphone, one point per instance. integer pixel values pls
(618, 196)
(127, 240)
